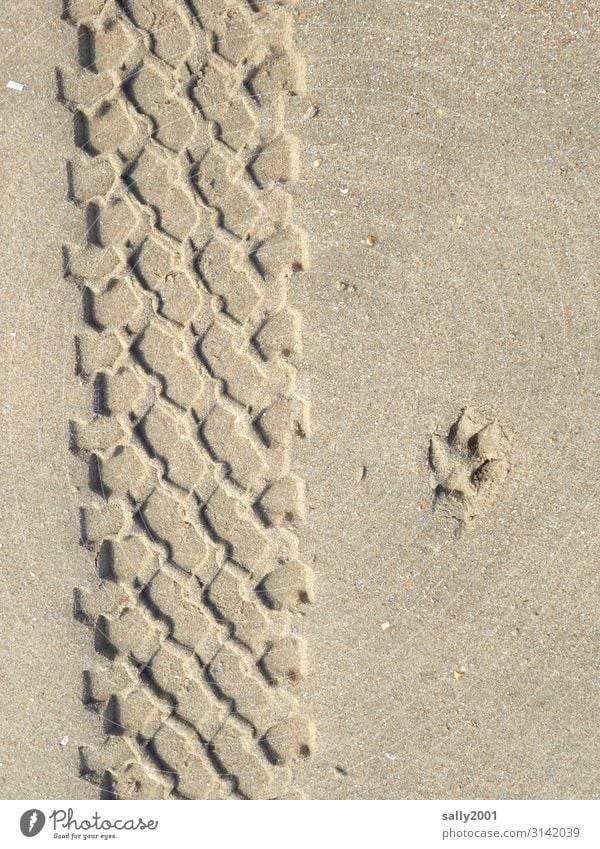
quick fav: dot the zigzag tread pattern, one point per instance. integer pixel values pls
(188, 348)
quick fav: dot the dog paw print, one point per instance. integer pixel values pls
(468, 466)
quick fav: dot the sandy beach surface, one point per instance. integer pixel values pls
(299, 451)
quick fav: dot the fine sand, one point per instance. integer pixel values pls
(299, 458)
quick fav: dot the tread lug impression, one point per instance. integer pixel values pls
(178, 180)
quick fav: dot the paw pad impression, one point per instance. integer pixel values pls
(468, 466)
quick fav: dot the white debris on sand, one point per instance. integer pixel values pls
(15, 85)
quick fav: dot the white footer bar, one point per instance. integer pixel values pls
(302, 824)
